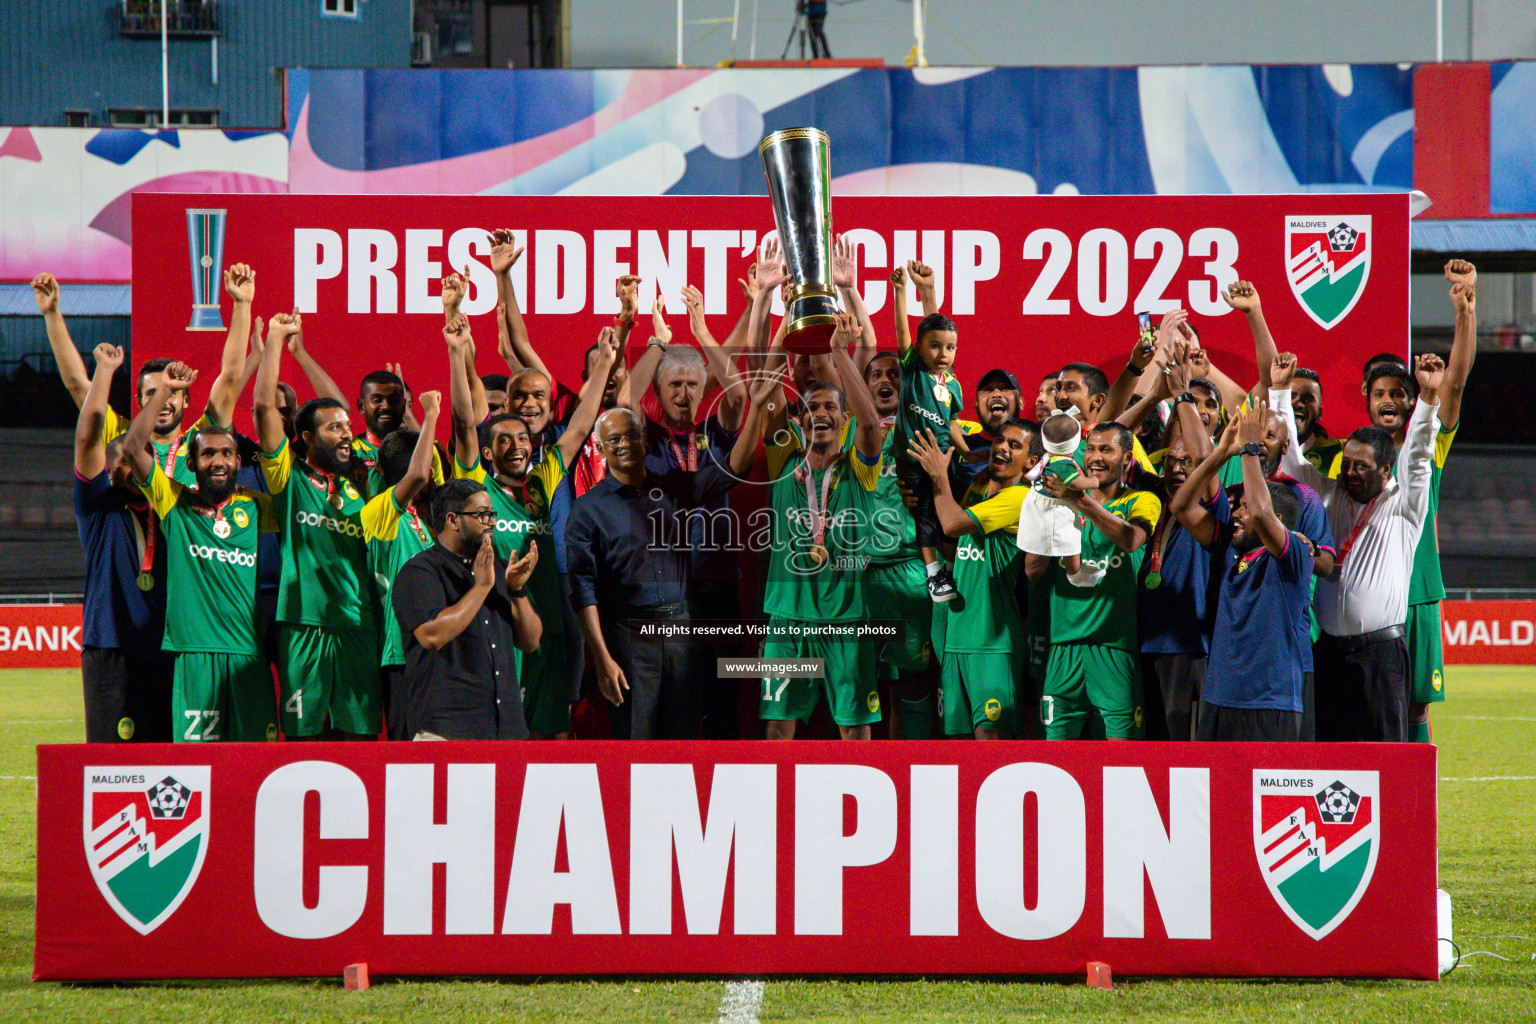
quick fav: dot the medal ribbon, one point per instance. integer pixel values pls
(1365, 514)
(1159, 543)
(691, 464)
(151, 533)
(818, 515)
(417, 528)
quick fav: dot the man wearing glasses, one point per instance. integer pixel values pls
(465, 621)
(629, 552)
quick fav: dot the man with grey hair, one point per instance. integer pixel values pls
(683, 441)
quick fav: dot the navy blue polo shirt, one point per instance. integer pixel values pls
(112, 527)
(1311, 523)
(1177, 617)
(1261, 626)
(711, 533)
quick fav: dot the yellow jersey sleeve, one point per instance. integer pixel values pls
(999, 512)
(439, 458)
(163, 492)
(277, 467)
(780, 449)
(551, 469)
(1140, 455)
(112, 425)
(867, 474)
(969, 426)
(1144, 507)
(1333, 464)
(266, 517)
(381, 516)
(475, 472)
(1443, 442)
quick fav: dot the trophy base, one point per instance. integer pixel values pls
(810, 335)
(206, 318)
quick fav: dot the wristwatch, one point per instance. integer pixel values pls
(1133, 369)
(657, 342)
(518, 593)
(1188, 396)
(1252, 448)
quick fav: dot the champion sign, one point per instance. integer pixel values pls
(931, 858)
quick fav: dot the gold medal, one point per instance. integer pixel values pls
(221, 529)
(337, 500)
(941, 393)
(819, 554)
(146, 582)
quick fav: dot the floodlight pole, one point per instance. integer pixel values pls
(679, 33)
(919, 33)
(165, 66)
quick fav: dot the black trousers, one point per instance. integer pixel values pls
(1179, 678)
(127, 696)
(1362, 695)
(715, 599)
(662, 703)
(1247, 725)
(399, 722)
(924, 514)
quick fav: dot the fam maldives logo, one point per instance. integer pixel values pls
(1317, 836)
(146, 835)
(1328, 260)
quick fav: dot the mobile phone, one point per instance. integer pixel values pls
(1144, 326)
(1144, 321)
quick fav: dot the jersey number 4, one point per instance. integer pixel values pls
(207, 720)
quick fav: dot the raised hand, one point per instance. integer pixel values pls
(1430, 371)
(259, 336)
(748, 284)
(693, 299)
(847, 330)
(1242, 296)
(431, 401)
(240, 282)
(485, 563)
(771, 271)
(285, 327)
(46, 291)
(608, 343)
(1199, 360)
(504, 251)
(453, 293)
(1229, 443)
(1250, 429)
(627, 290)
(899, 277)
(108, 357)
(456, 331)
(659, 326)
(1178, 370)
(1461, 272)
(844, 268)
(520, 571)
(924, 450)
(921, 274)
(1168, 327)
(180, 376)
(1282, 371)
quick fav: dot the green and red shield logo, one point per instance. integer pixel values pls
(146, 834)
(1328, 260)
(1317, 835)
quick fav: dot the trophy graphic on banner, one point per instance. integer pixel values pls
(798, 163)
(205, 243)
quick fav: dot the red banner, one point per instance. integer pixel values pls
(39, 636)
(1489, 632)
(759, 858)
(1032, 281)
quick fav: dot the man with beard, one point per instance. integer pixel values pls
(977, 634)
(524, 494)
(822, 508)
(1092, 666)
(125, 677)
(1177, 605)
(396, 533)
(385, 404)
(1306, 387)
(221, 689)
(166, 432)
(1045, 398)
(1253, 690)
(1361, 657)
(328, 653)
(464, 617)
(998, 400)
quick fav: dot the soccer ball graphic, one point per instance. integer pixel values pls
(168, 799)
(1337, 804)
(1342, 238)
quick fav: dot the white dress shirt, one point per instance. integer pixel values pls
(1369, 591)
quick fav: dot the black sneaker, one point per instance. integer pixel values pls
(941, 586)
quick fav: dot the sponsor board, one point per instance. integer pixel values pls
(752, 858)
(1488, 632)
(40, 635)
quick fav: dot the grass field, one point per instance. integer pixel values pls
(1487, 863)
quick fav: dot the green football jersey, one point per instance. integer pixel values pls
(1105, 614)
(171, 456)
(324, 579)
(985, 617)
(395, 536)
(893, 533)
(1425, 583)
(365, 451)
(522, 515)
(797, 586)
(928, 402)
(210, 562)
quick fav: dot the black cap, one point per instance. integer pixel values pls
(1010, 379)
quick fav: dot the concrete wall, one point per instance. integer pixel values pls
(642, 33)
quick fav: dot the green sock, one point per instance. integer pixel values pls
(1421, 732)
(916, 718)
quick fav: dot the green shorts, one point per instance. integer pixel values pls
(223, 697)
(1084, 678)
(848, 683)
(1426, 658)
(900, 591)
(981, 691)
(331, 672)
(546, 685)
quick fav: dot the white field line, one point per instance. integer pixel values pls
(743, 1000)
(1489, 778)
